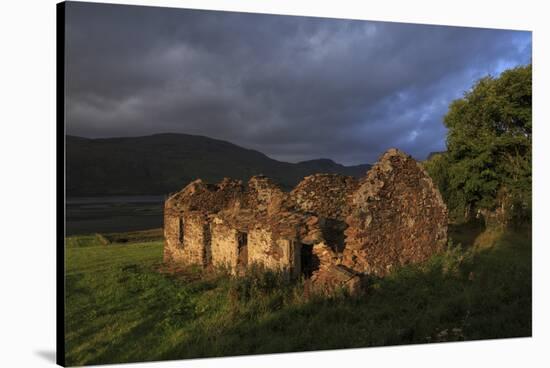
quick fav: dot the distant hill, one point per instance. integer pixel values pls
(165, 163)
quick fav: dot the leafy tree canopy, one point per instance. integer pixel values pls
(487, 165)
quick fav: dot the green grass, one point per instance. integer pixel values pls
(120, 308)
(91, 240)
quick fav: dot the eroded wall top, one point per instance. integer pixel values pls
(326, 195)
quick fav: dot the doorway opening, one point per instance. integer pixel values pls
(308, 261)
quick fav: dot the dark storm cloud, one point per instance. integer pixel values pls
(295, 88)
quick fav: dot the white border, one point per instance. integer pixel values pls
(27, 151)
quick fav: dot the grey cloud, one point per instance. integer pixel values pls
(295, 88)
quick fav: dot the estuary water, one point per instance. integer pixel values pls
(88, 215)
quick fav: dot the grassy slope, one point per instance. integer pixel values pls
(121, 309)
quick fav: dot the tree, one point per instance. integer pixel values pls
(487, 166)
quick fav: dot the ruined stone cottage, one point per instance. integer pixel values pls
(330, 229)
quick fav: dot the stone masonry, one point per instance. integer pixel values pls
(330, 229)
(397, 217)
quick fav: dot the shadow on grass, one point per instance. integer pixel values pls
(466, 233)
(466, 293)
(122, 348)
(457, 296)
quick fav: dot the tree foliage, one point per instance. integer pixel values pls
(487, 166)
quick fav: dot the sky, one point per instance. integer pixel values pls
(294, 88)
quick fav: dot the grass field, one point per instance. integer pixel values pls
(120, 307)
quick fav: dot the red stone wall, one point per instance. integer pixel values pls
(397, 217)
(325, 195)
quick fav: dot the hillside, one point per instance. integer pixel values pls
(164, 163)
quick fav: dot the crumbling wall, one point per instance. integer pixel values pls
(187, 238)
(261, 247)
(329, 274)
(190, 209)
(393, 216)
(324, 195)
(224, 244)
(264, 197)
(397, 217)
(273, 253)
(207, 198)
(327, 196)
(171, 236)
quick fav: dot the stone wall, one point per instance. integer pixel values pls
(277, 254)
(324, 195)
(187, 238)
(171, 237)
(397, 217)
(207, 198)
(349, 228)
(264, 197)
(191, 208)
(224, 244)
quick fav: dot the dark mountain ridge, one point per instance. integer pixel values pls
(165, 163)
